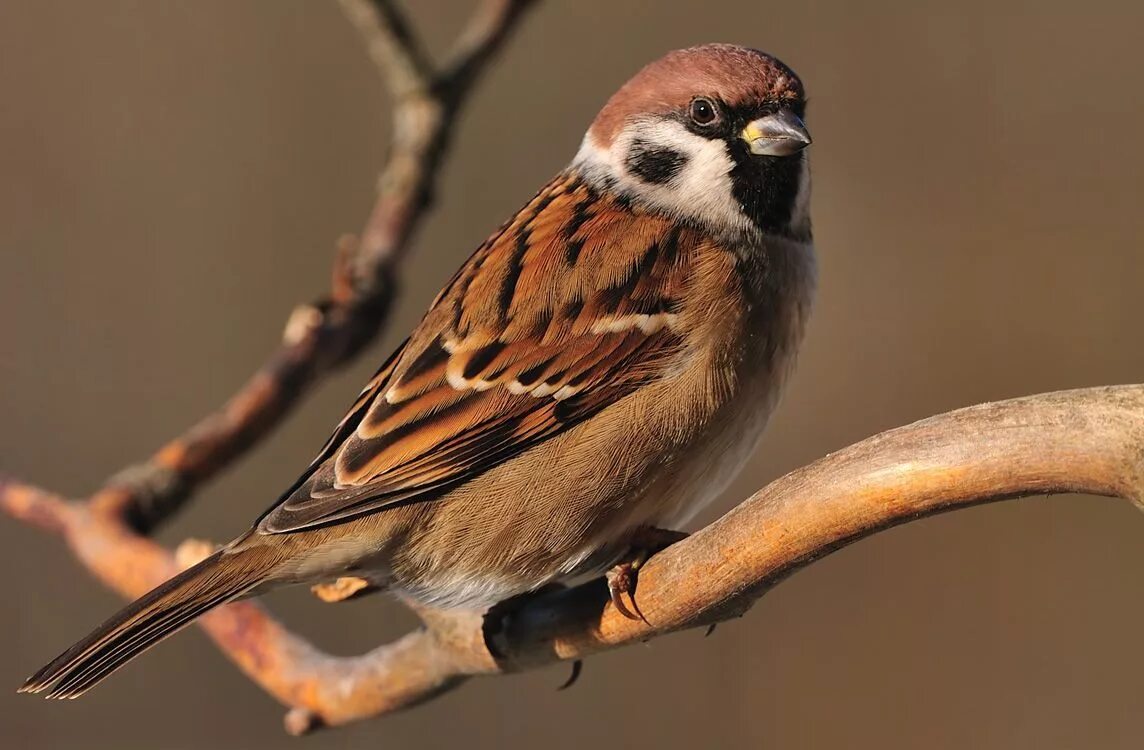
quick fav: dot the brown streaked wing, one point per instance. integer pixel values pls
(565, 310)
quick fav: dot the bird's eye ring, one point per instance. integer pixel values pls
(703, 111)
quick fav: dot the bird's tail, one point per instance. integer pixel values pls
(225, 575)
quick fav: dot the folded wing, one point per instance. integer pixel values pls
(566, 310)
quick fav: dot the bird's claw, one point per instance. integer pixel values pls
(622, 580)
(577, 666)
(645, 542)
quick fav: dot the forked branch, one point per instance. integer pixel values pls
(332, 330)
(108, 531)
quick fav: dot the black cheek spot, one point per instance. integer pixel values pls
(652, 163)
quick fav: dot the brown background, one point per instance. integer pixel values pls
(173, 176)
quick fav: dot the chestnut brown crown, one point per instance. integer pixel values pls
(740, 77)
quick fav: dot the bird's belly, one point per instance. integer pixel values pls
(572, 518)
(569, 507)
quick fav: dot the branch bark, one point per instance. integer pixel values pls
(1089, 441)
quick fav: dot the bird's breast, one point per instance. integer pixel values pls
(750, 365)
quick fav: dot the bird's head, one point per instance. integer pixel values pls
(712, 135)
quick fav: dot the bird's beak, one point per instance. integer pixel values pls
(778, 134)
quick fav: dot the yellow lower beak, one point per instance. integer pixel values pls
(778, 134)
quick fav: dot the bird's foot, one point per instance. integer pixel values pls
(622, 578)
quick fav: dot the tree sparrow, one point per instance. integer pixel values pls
(598, 370)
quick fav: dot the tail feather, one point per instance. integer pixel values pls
(223, 576)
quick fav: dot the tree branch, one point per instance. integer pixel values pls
(1088, 441)
(326, 334)
(107, 532)
(392, 45)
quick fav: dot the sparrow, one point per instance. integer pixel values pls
(590, 378)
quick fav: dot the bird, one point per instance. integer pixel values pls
(587, 381)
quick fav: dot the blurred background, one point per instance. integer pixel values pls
(172, 180)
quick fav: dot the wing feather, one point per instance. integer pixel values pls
(567, 309)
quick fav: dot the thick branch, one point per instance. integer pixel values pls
(1086, 441)
(1089, 441)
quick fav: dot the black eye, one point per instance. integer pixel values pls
(703, 112)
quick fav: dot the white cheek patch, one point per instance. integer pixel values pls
(699, 190)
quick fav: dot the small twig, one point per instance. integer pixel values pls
(392, 45)
(492, 23)
(429, 104)
(34, 506)
(107, 532)
(329, 332)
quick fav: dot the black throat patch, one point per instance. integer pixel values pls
(654, 163)
(767, 188)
